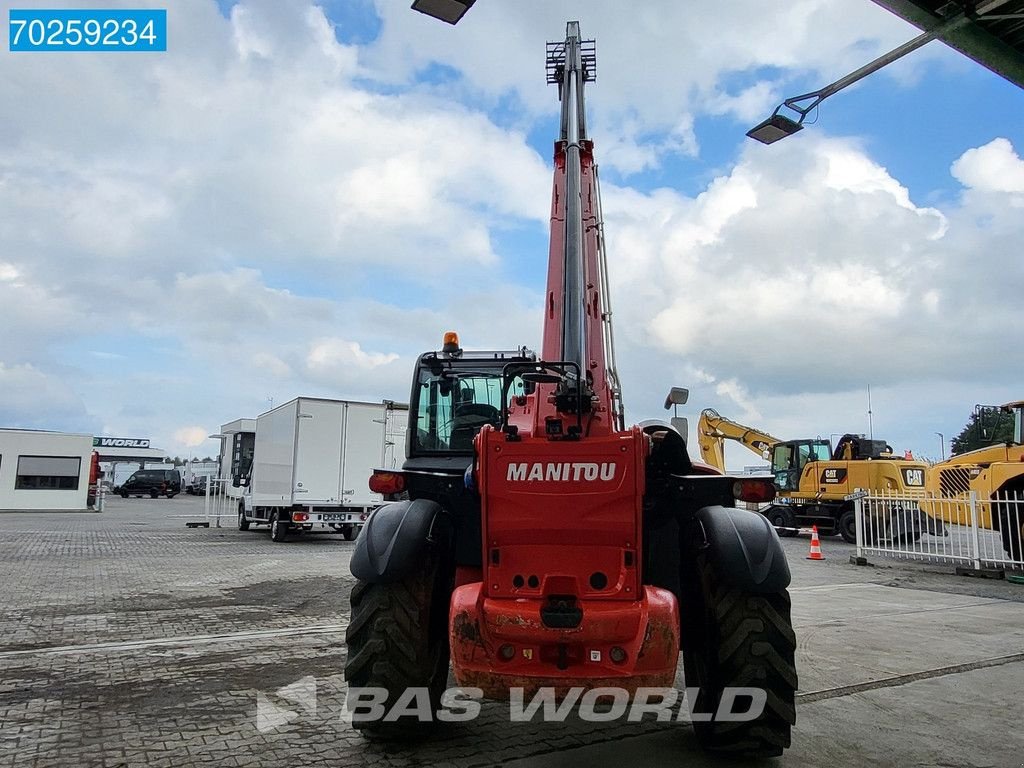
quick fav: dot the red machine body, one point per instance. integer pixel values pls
(561, 601)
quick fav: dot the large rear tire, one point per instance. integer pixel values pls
(243, 521)
(848, 526)
(1011, 523)
(740, 640)
(398, 639)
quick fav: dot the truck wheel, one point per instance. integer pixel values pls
(153, 494)
(781, 517)
(278, 527)
(398, 639)
(848, 526)
(124, 494)
(741, 640)
(350, 532)
(243, 522)
(1011, 530)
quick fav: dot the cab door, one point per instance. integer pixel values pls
(784, 467)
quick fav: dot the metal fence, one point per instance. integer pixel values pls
(961, 530)
(219, 507)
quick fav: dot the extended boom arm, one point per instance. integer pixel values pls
(713, 430)
(577, 320)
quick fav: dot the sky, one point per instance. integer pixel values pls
(299, 198)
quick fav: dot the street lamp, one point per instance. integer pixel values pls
(942, 445)
(450, 11)
(779, 126)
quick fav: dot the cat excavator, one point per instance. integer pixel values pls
(545, 547)
(816, 484)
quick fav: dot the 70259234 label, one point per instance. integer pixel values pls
(87, 29)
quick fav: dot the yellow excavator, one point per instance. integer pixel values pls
(816, 485)
(995, 473)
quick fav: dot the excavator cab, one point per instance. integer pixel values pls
(789, 460)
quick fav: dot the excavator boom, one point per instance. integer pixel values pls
(713, 430)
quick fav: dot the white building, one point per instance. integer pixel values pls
(44, 470)
(237, 444)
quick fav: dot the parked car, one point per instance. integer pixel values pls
(198, 486)
(153, 483)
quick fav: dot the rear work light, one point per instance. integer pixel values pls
(387, 482)
(754, 490)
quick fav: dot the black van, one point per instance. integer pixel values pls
(152, 482)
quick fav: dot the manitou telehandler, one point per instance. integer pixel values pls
(543, 544)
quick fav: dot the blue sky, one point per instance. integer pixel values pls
(297, 198)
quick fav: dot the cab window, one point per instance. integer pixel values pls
(452, 407)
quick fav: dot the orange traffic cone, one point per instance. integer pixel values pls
(815, 553)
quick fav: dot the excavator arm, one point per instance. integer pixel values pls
(713, 430)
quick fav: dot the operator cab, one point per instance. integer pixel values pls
(857, 448)
(455, 393)
(1017, 409)
(790, 458)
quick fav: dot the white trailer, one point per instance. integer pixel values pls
(312, 463)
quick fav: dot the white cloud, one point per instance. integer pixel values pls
(995, 167)
(266, 212)
(807, 266)
(190, 437)
(692, 54)
(328, 353)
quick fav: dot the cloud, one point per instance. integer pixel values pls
(994, 167)
(808, 267)
(190, 437)
(33, 399)
(697, 59)
(329, 353)
(266, 212)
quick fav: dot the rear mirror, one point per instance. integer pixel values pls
(541, 377)
(680, 425)
(676, 396)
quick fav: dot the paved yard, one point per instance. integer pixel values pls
(128, 639)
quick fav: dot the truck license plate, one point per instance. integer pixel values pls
(332, 518)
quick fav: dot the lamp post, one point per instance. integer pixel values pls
(450, 11)
(942, 446)
(779, 126)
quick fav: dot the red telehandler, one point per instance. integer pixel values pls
(543, 544)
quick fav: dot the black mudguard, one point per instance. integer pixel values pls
(745, 549)
(393, 537)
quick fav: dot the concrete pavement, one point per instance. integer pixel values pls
(128, 639)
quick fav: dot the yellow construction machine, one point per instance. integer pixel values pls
(995, 473)
(817, 485)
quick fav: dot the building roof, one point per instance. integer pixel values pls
(131, 454)
(992, 35)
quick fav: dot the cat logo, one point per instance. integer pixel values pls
(913, 477)
(833, 476)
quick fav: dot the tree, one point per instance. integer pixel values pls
(987, 426)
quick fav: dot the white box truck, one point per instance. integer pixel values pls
(312, 462)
